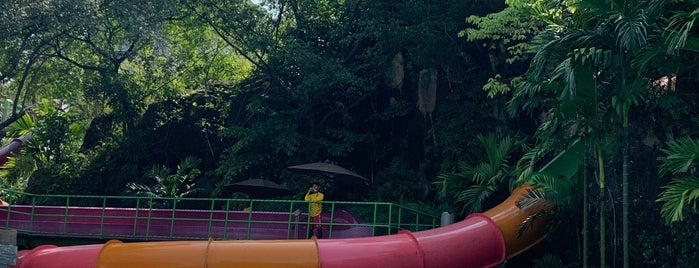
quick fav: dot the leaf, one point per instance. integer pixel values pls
(681, 155)
(680, 192)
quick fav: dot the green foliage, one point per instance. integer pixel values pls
(550, 261)
(678, 193)
(472, 185)
(397, 183)
(681, 156)
(680, 162)
(517, 31)
(556, 194)
(673, 247)
(513, 25)
(165, 184)
(560, 191)
(495, 86)
(23, 126)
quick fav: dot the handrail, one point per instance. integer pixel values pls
(154, 218)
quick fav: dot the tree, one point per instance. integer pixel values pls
(679, 46)
(585, 76)
(29, 28)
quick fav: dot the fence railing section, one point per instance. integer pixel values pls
(153, 218)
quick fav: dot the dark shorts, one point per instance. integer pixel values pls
(316, 220)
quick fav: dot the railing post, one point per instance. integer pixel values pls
(211, 216)
(9, 213)
(332, 219)
(417, 222)
(31, 217)
(65, 215)
(288, 223)
(373, 227)
(390, 217)
(249, 220)
(172, 218)
(150, 213)
(400, 217)
(135, 219)
(104, 207)
(225, 224)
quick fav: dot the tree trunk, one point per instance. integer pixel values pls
(625, 197)
(602, 226)
(586, 216)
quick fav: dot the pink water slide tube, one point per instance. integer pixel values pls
(480, 240)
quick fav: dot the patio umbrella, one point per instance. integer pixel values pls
(259, 188)
(329, 171)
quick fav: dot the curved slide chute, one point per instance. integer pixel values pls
(13, 147)
(481, 240)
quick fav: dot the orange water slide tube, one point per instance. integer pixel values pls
(480, 240)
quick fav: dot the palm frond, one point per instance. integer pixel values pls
(565, 72)
(549, 261)
(681, 155)
(631, 29)
(533, 198)
(526, 164)
(470, 186)
(141, 189)
(530, 221)
(677, 194)
(678, 30)
(453, 180)
(558, 190)
(22, 126)
(472, 198)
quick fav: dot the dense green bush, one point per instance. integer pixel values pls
(675, 246)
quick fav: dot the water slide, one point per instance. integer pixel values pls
(481, 240)
(13, 147)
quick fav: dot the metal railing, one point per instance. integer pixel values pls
(155, 218)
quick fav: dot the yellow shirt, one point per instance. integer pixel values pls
(315, 206)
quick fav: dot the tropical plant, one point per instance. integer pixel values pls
(550, 261)
(585, 77)
(682, 192)
(470, 186)
(167, 187)
(549, 191)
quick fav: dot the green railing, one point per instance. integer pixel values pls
(149, 215)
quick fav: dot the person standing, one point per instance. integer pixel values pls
(314, 198)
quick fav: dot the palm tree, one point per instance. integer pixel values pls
(584, 77)
(470, 186)
(169, 186)
(681, 154)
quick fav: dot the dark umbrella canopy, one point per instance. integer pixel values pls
(329, 171)
(259, 188)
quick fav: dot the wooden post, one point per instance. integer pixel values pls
(8, 247)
